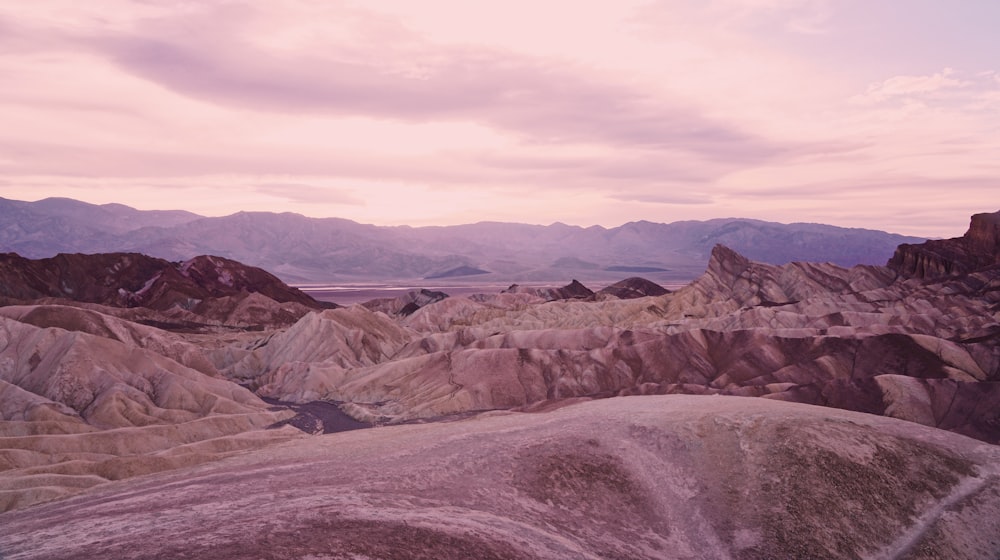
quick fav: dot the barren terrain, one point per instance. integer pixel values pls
(151, 409)
(639, 477)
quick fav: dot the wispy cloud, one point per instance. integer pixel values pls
(310, 194)
(664, 198)
(803, 17)
(542, 101)
(908, 86)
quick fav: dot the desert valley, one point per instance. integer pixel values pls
(155, 407)
(394, 280)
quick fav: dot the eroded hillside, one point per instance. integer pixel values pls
(872, 339)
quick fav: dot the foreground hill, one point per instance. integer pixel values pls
(676, 477)
(303, 249)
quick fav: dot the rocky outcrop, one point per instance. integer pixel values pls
(405, 304)
(209, 287)
(573, 290)
(741, 283)
(346, 338)
(631, 288)
(979, 248)
(984, 237)
(642, 478)
(131, 333)
(80, 409)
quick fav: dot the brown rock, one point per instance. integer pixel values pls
(977, 249)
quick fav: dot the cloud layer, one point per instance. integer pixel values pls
(444, 112)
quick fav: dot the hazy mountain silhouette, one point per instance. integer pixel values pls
(297, 248)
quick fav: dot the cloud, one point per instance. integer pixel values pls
(25, 158)
(297, 192)
(664, 198)
(605, 168)
(795, 17)
(805, 17)
(542, 101)
(908, 86)
(887, 189)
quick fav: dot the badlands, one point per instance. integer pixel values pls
(556, 423)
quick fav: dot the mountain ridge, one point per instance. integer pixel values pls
(297, 248)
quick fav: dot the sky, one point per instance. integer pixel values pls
(883, 115)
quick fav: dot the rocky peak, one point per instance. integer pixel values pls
(726, 265)
(223, 277)
(977, 249)
(576, 290)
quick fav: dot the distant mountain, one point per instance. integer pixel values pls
(62, 225)
(301, 249)
(459, 272)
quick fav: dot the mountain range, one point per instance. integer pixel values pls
(319, 250)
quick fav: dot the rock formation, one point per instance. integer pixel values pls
(867, 338)
(407, 303)
(573, 290)
(979, 248)
(631, 288)
(81, 409)
(211, 288)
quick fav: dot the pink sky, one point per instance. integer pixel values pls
(864, 114)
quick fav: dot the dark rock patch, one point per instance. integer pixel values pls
(316, 417)
(634, 287)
